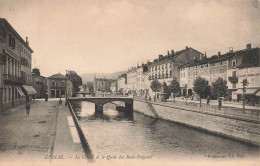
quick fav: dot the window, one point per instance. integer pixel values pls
(53, 83)
(234, 86)
(246, 70)
(234, 74)
(213, 64)
(252, 81)
(221, 71)
(234, 63)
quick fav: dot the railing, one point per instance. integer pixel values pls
(233, 112)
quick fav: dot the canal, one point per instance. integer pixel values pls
(114, 134)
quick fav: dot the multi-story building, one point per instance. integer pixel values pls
(131, 77)
(13, 67)
(59, 86)
(165, 68)
(209, 68)
(244, 65)
(142, 81)
(39, 83)
(102, 84)
(121, 82)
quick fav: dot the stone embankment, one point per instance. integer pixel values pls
(241, 127)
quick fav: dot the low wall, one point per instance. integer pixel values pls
(242, 130)
(83, 140)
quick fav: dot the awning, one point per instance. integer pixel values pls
(247, 92)
(20, 91)
(258, 93)
(30, 90)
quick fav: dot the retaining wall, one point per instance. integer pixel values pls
(242, 130)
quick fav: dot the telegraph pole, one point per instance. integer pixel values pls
(244, 83)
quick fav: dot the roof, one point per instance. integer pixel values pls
(4, 21)
(212, 59)
(250, 58)
(58, 76)
(171, 57)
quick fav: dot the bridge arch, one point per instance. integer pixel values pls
(101, 101)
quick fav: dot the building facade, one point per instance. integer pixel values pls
(244, 65)
(131, 85)
(102, 84)
(209, 68)
(121, 82)
(13, 50)
(59, 86)
(39, 83)
(165, 68)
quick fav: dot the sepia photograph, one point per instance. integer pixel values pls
(130, 82)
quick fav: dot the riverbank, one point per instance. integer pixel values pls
(236, 127)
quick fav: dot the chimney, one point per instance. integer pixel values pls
(168, 52)
(230, 49)
(172, 52)
(248, 46)
(187, 47)
(160, 57)
(27, 40)
(219, 54)
(201, 57)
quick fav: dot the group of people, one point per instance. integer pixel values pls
(28, 106)
(66, 102)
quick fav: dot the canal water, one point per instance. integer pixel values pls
(113, 134)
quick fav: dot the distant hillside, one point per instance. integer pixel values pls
(89, 77)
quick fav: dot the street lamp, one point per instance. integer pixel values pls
(245, 83)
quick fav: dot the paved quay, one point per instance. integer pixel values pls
(47, 136)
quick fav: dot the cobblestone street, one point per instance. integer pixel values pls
(45, 132)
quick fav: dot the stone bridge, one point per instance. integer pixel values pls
(101, 101)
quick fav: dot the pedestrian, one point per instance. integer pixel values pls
(66, 103)
(60, 102)
(46, 97)
(208, 99)
(28, 107)
(219, 103)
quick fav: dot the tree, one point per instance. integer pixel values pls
(219, 88)
(201, 87)
(155, 86)
(76, 80)
(174, 87)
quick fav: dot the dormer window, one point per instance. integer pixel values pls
(234, 63)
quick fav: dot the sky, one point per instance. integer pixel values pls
(113, 35)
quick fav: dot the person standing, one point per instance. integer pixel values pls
(60, 102)
(66, 102)
(208, 99)
(28, 107)
(219, 103)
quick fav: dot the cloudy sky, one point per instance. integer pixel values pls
(110, 36)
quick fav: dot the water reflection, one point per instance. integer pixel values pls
(114, 134)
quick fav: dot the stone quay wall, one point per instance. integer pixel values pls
(236, 128)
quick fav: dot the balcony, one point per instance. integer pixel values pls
(12, 79)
